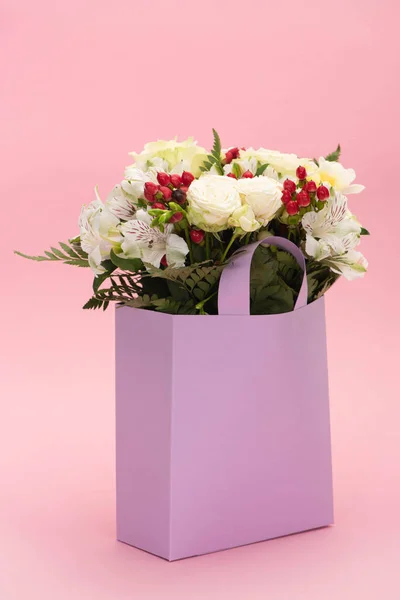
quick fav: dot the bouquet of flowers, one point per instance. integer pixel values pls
(165, 233)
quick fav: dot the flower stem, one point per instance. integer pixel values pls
(199, 305)
(233, 238)
(208, 246)
(189, 243)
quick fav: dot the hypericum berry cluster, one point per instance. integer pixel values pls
(232, 154)
(171, 188)
(303, 194)
(170, 191)
(245, 175)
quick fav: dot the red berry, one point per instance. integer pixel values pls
(176, 217)
(292, 208)
(303, 199)
(228, 157)
(151, 188)
(179, 196)
(311, 186)
(163, 178)
(197, 235)
(232, 175)
(164, 261)
(187, 178)
(149, 197)
(232, 154)
(166, 192)
(176, 180)
(184, 189)
(301, 173)
(159, 205)
(247, 175)
(322, 193)
(289, 185)
(286, 196)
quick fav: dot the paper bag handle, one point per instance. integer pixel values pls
(234, 286)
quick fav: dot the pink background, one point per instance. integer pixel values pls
(83, 83)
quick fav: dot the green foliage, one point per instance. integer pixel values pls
(99, 279)
(133, 265)
(196, 280)
(319, 279)
(214, 158)
(261, 169)
(275, 281)
(95, 303)
(364, 231)
(335, 155)
(70, 254)
(236, 170)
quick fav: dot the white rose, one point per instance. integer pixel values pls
(262, 194)
(171, 156)
(212, 199)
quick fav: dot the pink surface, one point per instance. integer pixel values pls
(83, 83)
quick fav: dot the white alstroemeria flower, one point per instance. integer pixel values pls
(262, 194)
(330, 245)
(212, 200)
(134, 181)
(351, 265)
(335, 219)
(171, 156)
(98, 233)
(120, 203)
(150, 243)
(243, 218)
(333, 174)
(246, 164)
(331, 236)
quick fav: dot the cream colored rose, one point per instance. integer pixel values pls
(285, 164)
(263, 195)
(171, 156)
(212, 199)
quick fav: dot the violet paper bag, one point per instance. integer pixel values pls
(222, 422)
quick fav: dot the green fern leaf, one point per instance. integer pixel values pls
(335, 155)
(74, 257)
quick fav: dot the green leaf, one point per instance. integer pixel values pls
(214, 158)
(236, 170)
(94, 303)
(261, 169)
(132, 265)
(335, 155)
(217, 148)
(99, 279)
(364, 231)
(68, 250)
(72, 255)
